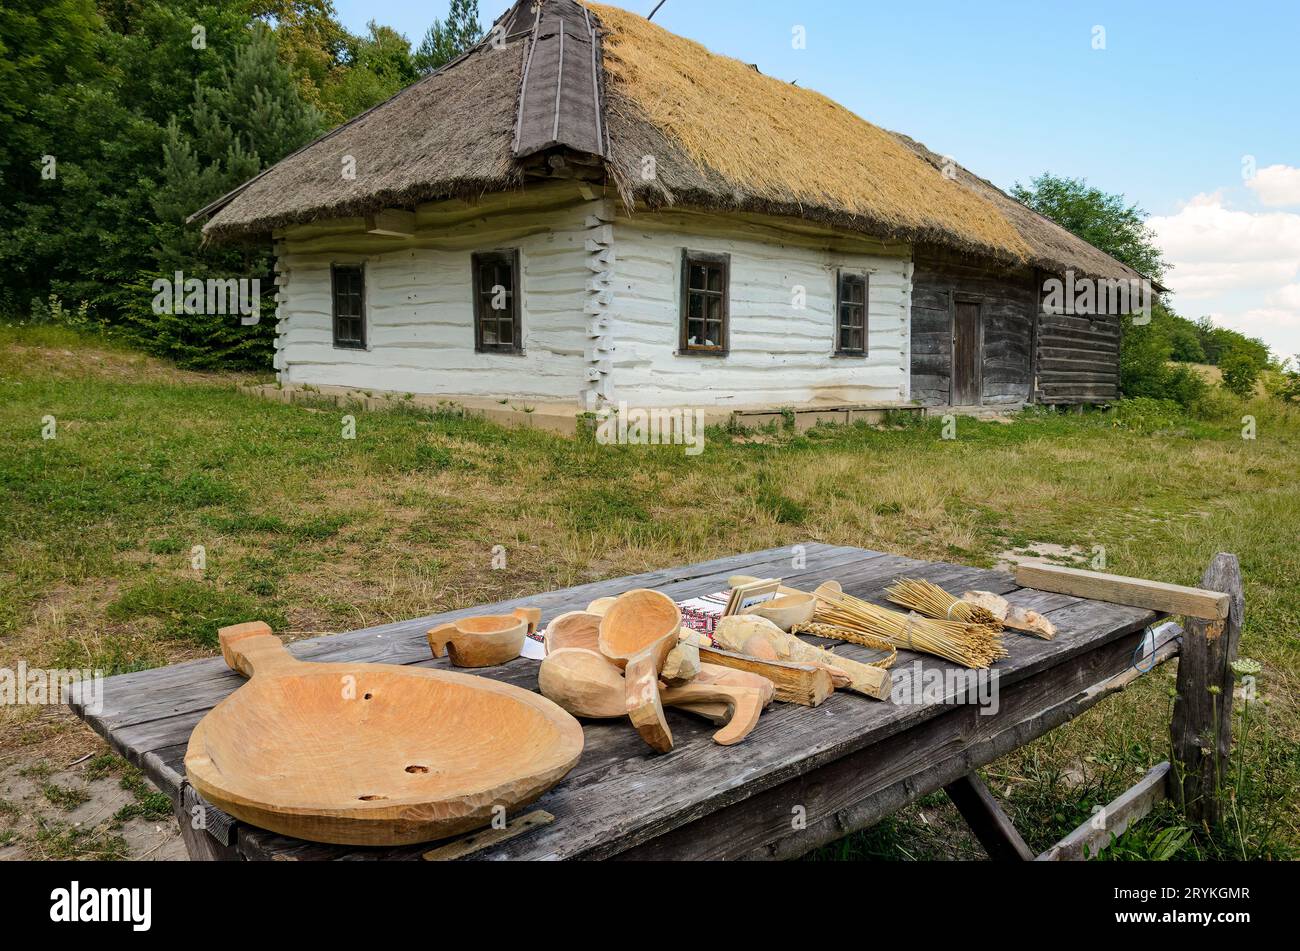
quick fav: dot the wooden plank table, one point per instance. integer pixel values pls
(804, 777)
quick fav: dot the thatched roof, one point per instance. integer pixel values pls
(447, 135)
(1051, 247)
(600, 82)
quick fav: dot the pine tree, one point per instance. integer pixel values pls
(443, 42)
(247, 118)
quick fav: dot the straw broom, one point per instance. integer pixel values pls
(854, 620)
(926, 597)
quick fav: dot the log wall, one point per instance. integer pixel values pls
(1006, 300)
(1078, 358)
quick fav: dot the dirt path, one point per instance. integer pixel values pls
(65, 795)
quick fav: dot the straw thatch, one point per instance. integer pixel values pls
(447, 135)
(722, 136)
(1051, 246)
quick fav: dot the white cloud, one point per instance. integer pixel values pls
(1240, 267)
(1258, 320)
(1276, 186)
(1288, 297)
(1215, 248)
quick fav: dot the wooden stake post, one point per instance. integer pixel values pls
(1201, 729)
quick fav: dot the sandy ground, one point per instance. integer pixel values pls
(66, 796)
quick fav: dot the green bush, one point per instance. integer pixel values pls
(1283, 382)
(1185, 343)
(1240, 373)
(1146, 415)
(1145, 371)
(1184, 385)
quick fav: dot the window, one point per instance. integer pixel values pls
(349, 291)
(851, 306)
(496, 302)
(705, 287)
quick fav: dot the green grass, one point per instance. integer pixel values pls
(316, 533)
(65, 797)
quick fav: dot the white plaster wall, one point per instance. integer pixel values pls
(779, 355)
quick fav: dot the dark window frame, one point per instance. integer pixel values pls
(706, 259)
(508, 256)
(843, 276)
(341, 342)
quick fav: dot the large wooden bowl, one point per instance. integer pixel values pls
(372, 754)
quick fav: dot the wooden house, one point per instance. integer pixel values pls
(586, 208)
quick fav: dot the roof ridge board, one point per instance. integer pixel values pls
(549, 112)
(523, 79)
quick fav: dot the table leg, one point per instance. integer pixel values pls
(987, 820)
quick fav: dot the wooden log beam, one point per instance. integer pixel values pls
(1113, 820)
(987, 820)
(391, 222)
(1201, 729)
(804, 684)
(1211, 605)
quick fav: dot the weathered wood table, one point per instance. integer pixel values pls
(804, 777)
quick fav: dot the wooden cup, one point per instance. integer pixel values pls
(484, 641)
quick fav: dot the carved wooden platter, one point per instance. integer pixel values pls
(372, 754)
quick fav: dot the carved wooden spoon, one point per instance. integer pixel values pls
(586, 684)
(636, 633)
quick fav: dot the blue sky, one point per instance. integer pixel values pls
(1183, 97)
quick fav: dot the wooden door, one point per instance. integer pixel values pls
(965, 354)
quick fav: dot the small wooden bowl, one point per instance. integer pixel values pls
(484, 641)
(787, 610)
(574, 629)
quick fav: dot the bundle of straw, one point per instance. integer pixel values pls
(852, 619)
(926, 597)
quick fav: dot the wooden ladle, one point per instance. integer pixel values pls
(637, 632)
(587, 684)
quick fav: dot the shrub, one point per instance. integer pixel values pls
(1145, 372)
(1185, 344)
(1146, 415)
(1142, 360)
(1240, 373)
(1283, 382)
(1184, 385)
